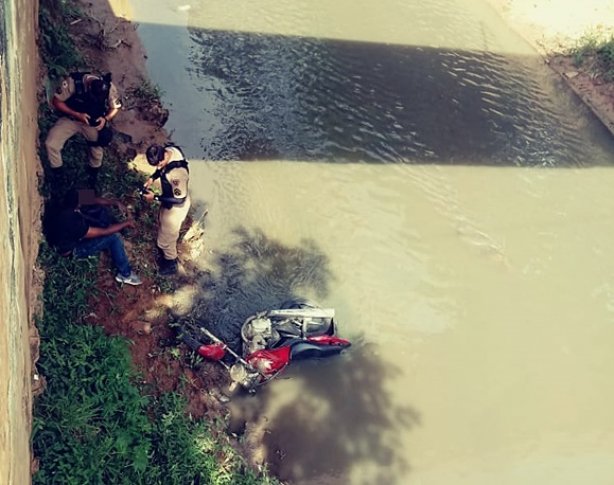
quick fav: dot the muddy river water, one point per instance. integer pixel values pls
(415, 166)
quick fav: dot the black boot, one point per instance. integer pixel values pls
(167, 267)
(92, 176)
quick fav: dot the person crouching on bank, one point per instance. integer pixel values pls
(172, 170)
(86, 104)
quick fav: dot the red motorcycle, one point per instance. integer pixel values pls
(270, 340)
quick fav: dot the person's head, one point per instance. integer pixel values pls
(154, 154)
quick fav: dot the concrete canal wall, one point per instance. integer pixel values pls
(19, 233)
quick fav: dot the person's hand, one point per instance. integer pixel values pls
(120, 206)
(83, 118)
(100, 123)
(129, 223)
(149, 196)
(126, 226)
(148, 183)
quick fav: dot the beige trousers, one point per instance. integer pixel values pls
(64, 129)
(170, 221)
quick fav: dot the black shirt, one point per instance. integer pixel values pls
(69, 228)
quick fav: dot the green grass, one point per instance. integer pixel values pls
(56, 45)
(598, 49)
(147, 93)
(95, 423)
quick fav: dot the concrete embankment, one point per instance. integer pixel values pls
(554, 28)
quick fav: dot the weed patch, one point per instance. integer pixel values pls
(56, 46)
(598, 52)
(145, 93)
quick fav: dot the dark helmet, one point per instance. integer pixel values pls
(154, 154)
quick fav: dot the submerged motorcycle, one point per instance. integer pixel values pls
(270, 340)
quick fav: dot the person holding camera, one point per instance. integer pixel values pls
(87, 103)
(172, 170)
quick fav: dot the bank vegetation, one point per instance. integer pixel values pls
(97, 420)
(597, 54)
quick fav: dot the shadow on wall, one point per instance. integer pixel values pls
(343, 415)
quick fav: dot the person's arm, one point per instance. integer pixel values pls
(111, 114)
(106, 119)
(109, 203)
(103, 201)
(149, 196)
(152, 178)
(115, 105)
(107, 231)
(170, 200)
(64, 108)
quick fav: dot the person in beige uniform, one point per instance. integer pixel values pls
(172, 170)
(87, 103)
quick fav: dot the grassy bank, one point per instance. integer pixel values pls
(96, 423)
(598, 52)
(93, 424)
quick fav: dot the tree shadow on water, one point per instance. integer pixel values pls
(340, 423)
(342, 415)
(256, 273)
